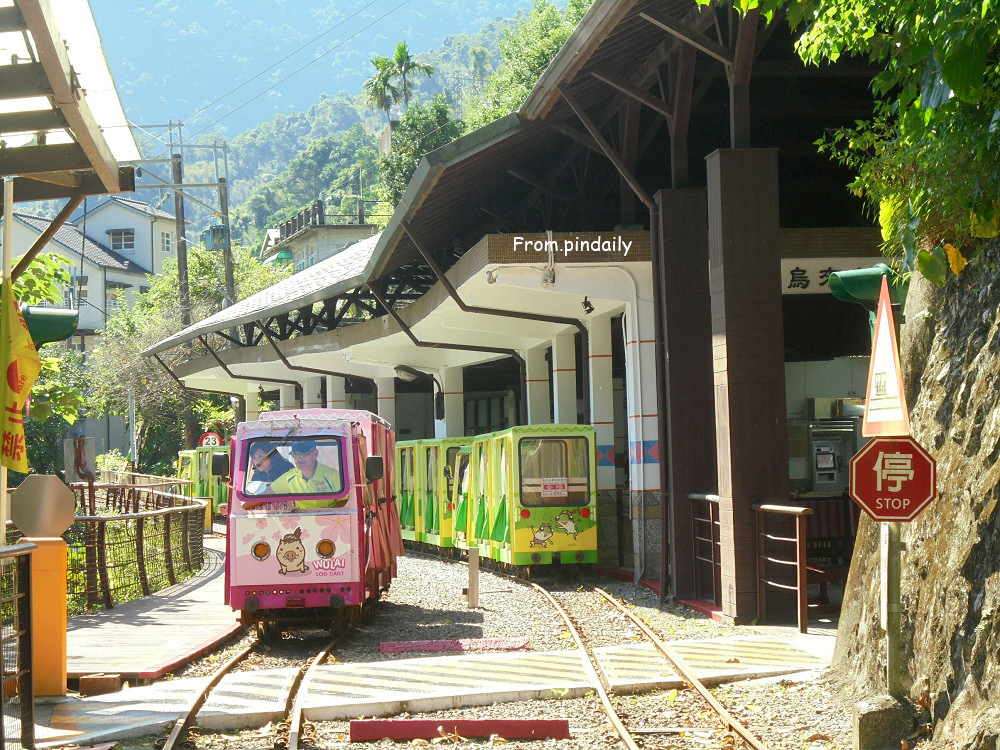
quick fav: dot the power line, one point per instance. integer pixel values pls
(300, 69)
(275, 64)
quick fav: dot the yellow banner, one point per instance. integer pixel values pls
(22, 366)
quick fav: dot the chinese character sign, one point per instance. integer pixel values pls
(893, 478)
(892, 469)
(22, 366)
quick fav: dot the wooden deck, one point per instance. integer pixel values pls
(146, 638)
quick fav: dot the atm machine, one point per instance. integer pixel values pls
(834, 436)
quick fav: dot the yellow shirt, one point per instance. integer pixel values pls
(325, 480)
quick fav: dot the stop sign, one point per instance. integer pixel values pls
(893, 478)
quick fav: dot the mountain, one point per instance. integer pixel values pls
(227, 65)
(281, 165)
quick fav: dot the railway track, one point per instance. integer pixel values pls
(732, 732)
(293, 731)
(686, 717)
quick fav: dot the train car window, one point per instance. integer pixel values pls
(406, 470)
(483, 490)
(301, 466)
(432, 470)
(463, 475)
(554, 471)
(450, 461)
(505, 468)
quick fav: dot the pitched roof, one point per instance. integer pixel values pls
(71, 238)
(339, 273)
(135, 205)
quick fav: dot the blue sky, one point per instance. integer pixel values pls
(178, 59)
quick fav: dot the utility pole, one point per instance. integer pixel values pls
(182, 265)
(227, 248)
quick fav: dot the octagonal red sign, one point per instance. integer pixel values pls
(893, 478)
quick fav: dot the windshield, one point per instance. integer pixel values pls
(298, 466)
(554, 471)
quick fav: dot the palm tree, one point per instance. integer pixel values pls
(380, 93)
(404, 67)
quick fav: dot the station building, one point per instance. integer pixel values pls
(644, 246)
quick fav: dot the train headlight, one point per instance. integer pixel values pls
(580, 556)
(336, 602)
(325, 548)
(535, 557)
(525, 513)
(261, 550)
(252, 604)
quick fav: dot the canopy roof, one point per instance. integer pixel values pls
(61, 122)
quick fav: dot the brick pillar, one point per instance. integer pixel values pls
(286, 398)
(453, 424)
(312, 392)
(387, 400)
(748, 352)
(689, 402)
(602, 417)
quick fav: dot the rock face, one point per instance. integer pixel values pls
(950, 579)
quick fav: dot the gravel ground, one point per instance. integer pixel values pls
(805, 712)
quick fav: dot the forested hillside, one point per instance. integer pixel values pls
(329, 151)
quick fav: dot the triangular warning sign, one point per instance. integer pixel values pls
(885, 403)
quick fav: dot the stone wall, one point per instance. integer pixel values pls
(950, 349)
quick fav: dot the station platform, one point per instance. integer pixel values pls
(146, 638)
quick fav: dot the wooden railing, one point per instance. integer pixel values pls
(707, 547)
(795, 563)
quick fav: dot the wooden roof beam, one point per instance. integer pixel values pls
(641, 96)
(68, 95)
(23, 80)
(27, 122)
(690, 36)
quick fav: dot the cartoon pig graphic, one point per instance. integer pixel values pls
(291, 554)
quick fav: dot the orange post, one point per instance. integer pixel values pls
(48, 616)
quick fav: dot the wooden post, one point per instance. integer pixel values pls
(473, 577)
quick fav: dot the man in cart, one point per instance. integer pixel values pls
(308, 477)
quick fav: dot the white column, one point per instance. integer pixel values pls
(564, 378)
(252, 398)
(286, 398)
(453, 424)
(336, 393)
(387, 400)
(602, 412)
(312, 392)
(539, 409)
(640, 375)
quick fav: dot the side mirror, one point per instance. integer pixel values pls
(374, 468)
(439, 406)
(220, 464)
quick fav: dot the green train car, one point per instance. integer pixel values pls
(196, 464)
(523, 497)
(543, 484)
(424, 486)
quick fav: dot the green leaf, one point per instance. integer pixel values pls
(964, 69)
(933, 265)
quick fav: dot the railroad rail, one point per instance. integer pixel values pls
(296, 729)
(670, 654)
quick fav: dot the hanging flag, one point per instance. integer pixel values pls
(22, 366)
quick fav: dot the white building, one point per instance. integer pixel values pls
(110, 249)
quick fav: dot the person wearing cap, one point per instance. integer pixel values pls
(308, 477)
